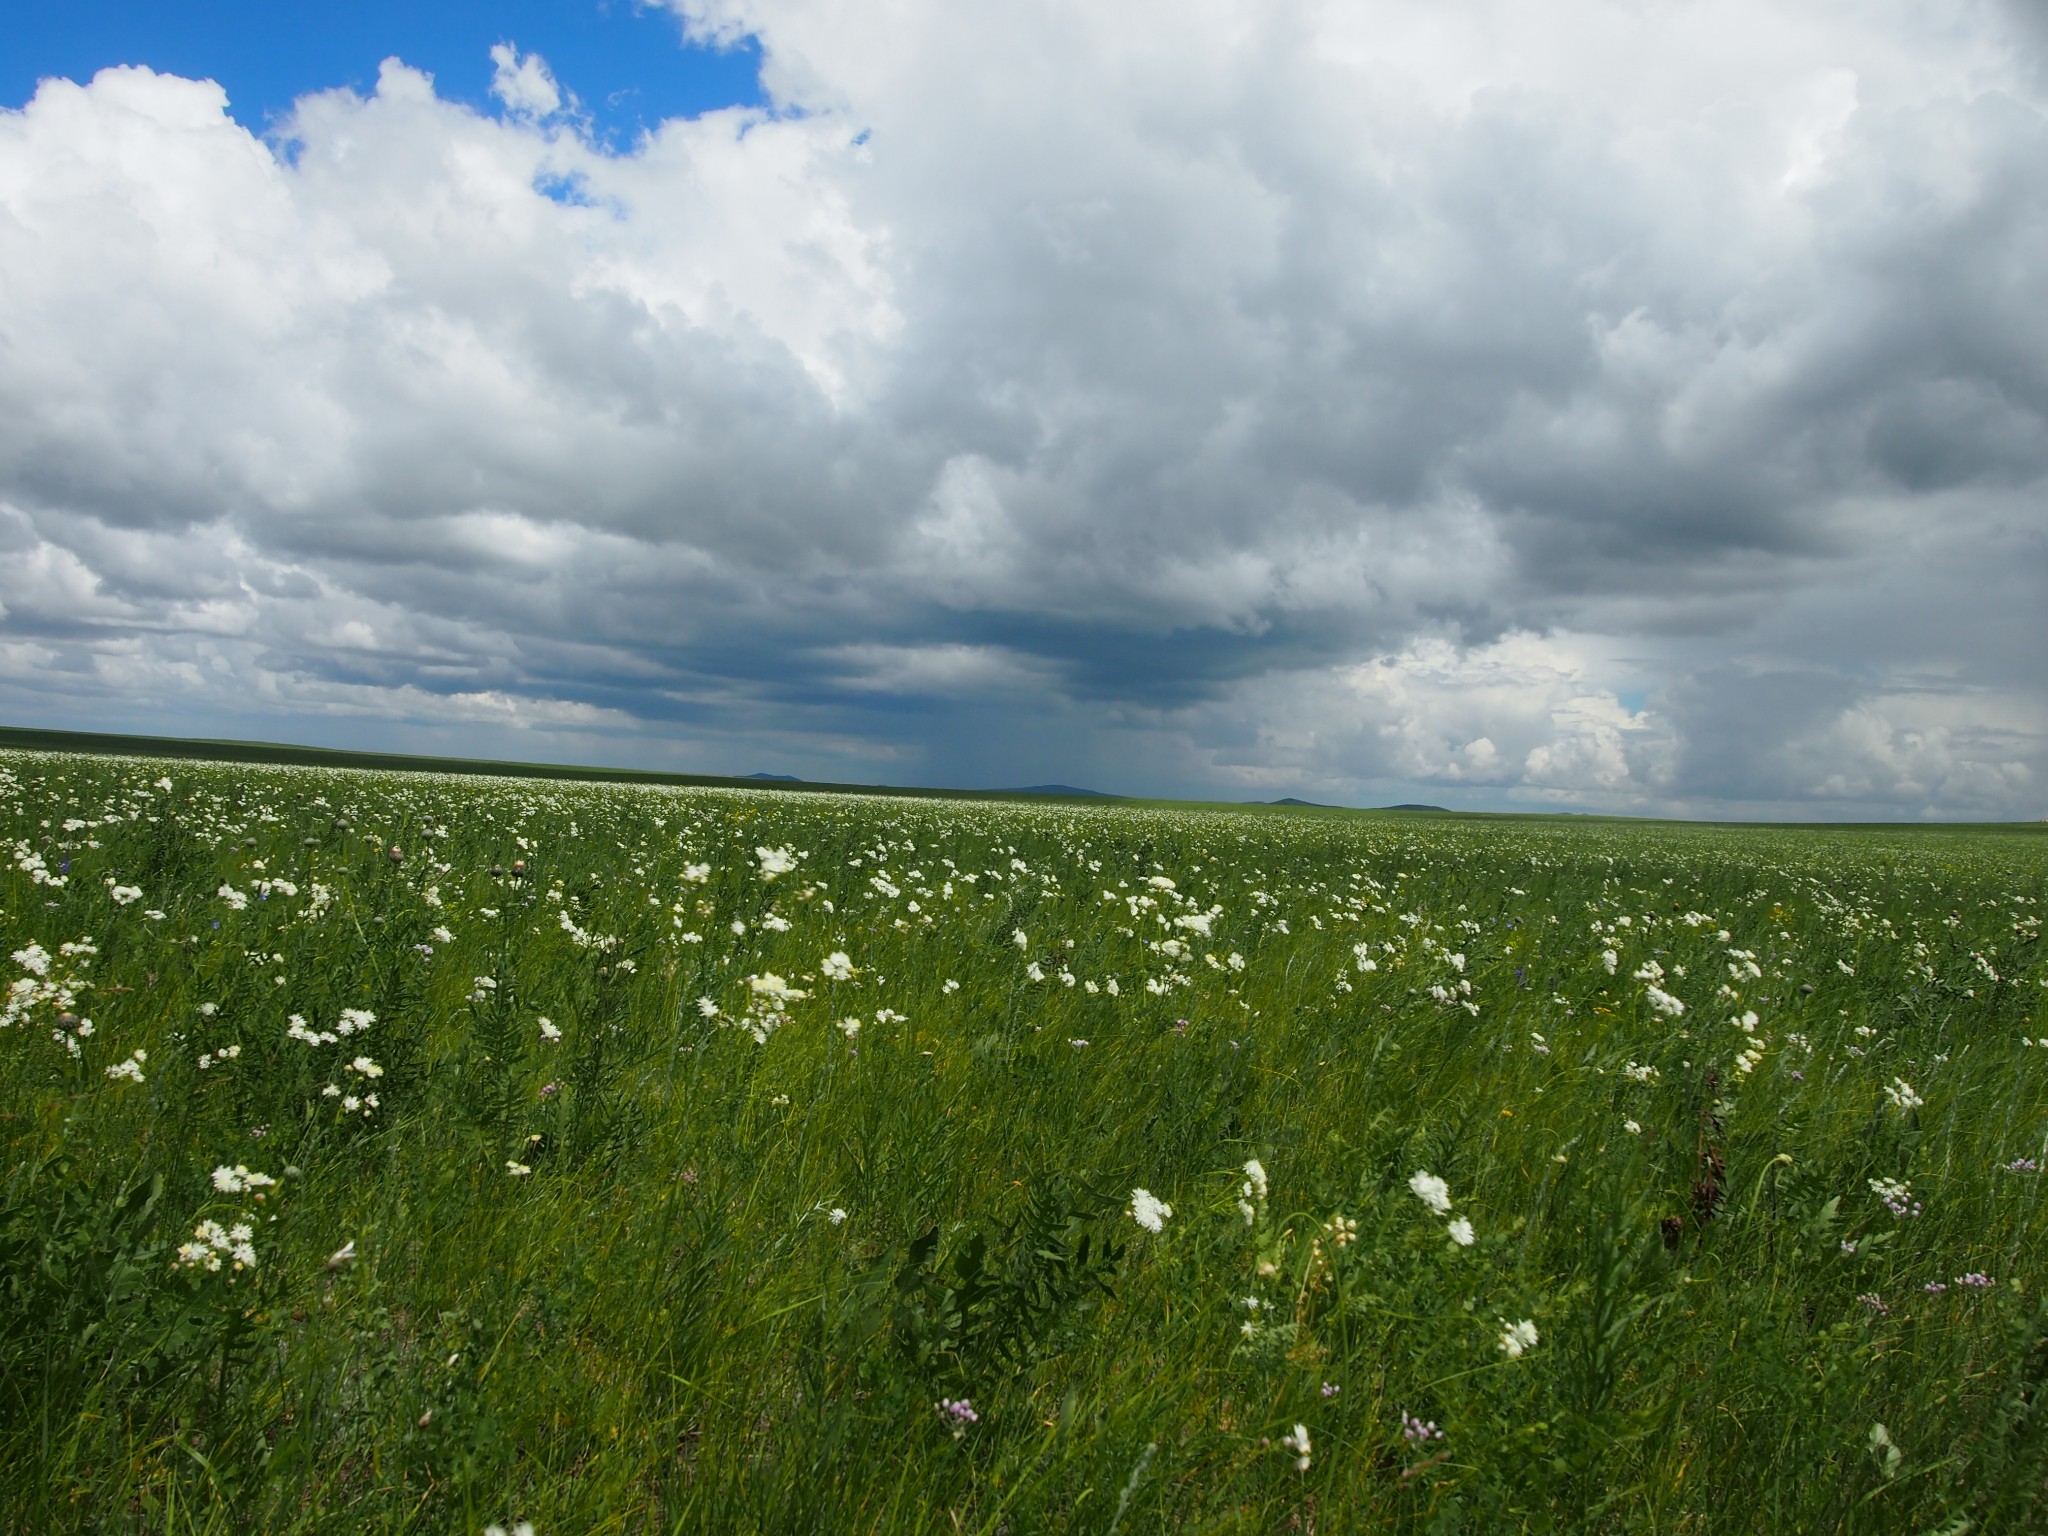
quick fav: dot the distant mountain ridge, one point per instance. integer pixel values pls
(1073, 790)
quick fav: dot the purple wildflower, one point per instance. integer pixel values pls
(1418, 1432)
(958, 1413)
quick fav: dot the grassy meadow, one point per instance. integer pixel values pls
(401, 1152)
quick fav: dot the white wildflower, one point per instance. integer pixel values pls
(1148, 1211)
(1432, 1192)
(233, 1181)
(1298, 1443)
(1663, 1002)
(772, 987)
(1254, 1179)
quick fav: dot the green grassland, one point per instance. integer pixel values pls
(392, 1151)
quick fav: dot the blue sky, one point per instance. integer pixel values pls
(1593, 405)
(628, 65)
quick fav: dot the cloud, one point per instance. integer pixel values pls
(1626, 407)
(1521, 718)
(914, 671)
(525, 85)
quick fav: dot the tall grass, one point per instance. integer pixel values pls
(658, 1274)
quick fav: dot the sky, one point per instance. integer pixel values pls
(1634, 406)
(627, 66)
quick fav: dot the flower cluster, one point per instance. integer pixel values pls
(957, 1413)
(212, 1243)
(1252, 1195)
(1149, 1211)
(1518, 1338)
(1436, 1194)
(1418, 1431)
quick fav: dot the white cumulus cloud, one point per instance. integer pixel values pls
(1622, 406)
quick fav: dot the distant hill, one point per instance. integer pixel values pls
(1418, 808)
(1060, 789)
(780, 778)
(1313, 805)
